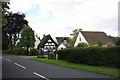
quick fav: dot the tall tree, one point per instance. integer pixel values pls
(4, 10)
(15, 23)
(116, 40)
(27, 38)
(75, 33)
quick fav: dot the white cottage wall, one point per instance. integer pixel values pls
(80, 38)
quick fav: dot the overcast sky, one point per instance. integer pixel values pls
(60, 17)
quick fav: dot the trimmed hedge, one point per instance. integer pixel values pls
(21, 51)
(16, 51)
(97, 56)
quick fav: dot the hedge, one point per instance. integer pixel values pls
(20, 51)
(16, 51)
(96, 56)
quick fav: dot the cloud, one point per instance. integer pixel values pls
(60, 17)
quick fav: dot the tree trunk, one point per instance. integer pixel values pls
(10, 41)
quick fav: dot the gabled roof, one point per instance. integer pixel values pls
(44, 40)
(93, 37)
(67, 45)
(60, 41)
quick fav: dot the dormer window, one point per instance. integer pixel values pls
(65, 41)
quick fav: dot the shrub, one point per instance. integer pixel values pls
(97, 56)
(82, 45)
(16, 51)
(33, 52)
(99, 44)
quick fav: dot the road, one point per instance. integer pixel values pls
(17, 67)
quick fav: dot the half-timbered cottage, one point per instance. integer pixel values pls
(47, 44)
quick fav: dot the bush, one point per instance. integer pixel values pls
(99, 44)
(33, 52)
(82, 45)
(97, 56)
(16, 51)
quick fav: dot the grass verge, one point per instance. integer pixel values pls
(97, 69)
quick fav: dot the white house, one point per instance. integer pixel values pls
(61, 46)
(63, 42)
(92, 37)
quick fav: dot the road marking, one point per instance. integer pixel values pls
(8, 60)
(20, 65)
(40, 76)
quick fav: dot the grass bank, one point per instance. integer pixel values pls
(97, 69)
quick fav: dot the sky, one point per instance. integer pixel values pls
(60, 17)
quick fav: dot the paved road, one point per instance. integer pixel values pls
(17, 67)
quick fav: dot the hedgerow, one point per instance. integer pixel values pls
(97, 56)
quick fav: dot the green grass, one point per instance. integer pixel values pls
(97, 69)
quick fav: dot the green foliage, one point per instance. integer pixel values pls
(4, 9)
(116, 40)
(27, 38)
(97, 56)
(21, 51)
(72, 40)
(33, 52)
(99, 44)
(15, 23)
(82, 45)
(3, 22)
(97, 69)
(76, 32)
(16, 51)
(5, 41)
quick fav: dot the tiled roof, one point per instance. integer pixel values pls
(93, 37)
(60, 40)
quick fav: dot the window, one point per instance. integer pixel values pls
(64, 41)
(61, 48)
(80, 39)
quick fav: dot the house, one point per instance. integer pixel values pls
(37, 41)
(92, 37)
(63, 42)
(47, 44)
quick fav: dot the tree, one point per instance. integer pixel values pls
(72, 40)
(99, 44)
(15, 23)
(82, 44)
(4, 11)
(27, 38)
(116, 40)
(75, 33)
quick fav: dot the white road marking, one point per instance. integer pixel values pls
(0, 57)
(8, 60)
(20, 65)
(40, 75)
